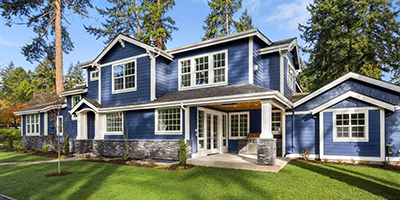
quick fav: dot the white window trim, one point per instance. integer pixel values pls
(95, 78)
(156, 132)
(277, 132)
(58, 125)
(114, 133)
(230, 128)
(72, 105)
(30, 123)
(350, 139)
(210, 71)
(112, 76)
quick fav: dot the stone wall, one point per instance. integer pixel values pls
(32, 142)
(51, 141)
(138, 149)
(81, 146)
(266, 151)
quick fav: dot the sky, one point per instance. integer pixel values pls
(276, 19)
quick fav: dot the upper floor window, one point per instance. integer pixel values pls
(32, 124)
(350, 126)
(75, 100)
(204, 70)
(290, 77)
(94, 75)
(124, 77)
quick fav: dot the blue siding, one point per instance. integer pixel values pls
(392, 130)
(142, 94)
(140, 125)
(271, 71)
(90, 125)
(233, 146)
(118, 52)
(193, 128)
(162, 71)
(238, 62)
(366, 149)
(306, 134)
(93, 90)
(354, 85)
(258, 60)
(351, 103)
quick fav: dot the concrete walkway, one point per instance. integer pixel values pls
(236, 161)
(40, 161)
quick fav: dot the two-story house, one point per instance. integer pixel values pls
(220, 95)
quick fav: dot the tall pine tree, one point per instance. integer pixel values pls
(361, 36)
(245, 22)
(220, 21)
(73, 77)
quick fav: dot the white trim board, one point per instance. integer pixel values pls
(340, 80)
(354, 95)
(251, 62)
(73, 92)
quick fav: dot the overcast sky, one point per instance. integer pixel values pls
(276, 19)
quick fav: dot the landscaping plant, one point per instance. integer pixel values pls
(306, 153)
(182, 151)
(18, 145)
(45, 148)
(66, 143)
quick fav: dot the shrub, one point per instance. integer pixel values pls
(66, 144)
(182, 151)
(306, 153)
(384, 163)
(63, 156)
(29, 151)
(10, 142)
(18, 145)
(38, 150)
(353, 161)
(45, 148)
(326, 160)
(366, 162)
(16, 133)
(339, 161)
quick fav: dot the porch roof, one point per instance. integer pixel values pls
(43, 107)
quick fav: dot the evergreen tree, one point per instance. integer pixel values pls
(24, 92)
(11, 78)
(124, 17)
(155, 22)
(220, 20)
(44, 77)
(245, 22)
(74, 77)
(361, 36)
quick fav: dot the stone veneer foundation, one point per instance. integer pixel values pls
(266, 151)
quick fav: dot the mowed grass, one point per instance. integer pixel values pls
(108, 181)
(17, 157)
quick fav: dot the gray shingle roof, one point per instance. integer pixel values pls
(94, 102)
(45, 104)
(287, 41)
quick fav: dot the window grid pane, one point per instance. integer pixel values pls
(124, 76)
(234, 126)
(350, 125)
(32, 123)
(201, 124)
(114, 122)
(169, 119)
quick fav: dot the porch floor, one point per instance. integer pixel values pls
(237, 161)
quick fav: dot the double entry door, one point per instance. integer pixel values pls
(212, 136)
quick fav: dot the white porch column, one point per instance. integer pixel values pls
(82, 126)
(97, 135)
(79, 126)
(266, 121)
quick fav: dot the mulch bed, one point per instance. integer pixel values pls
(49, 154)
(119, 161)
(56, 174)
(378, 166)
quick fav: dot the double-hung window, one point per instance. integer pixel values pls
(352, 126)
(94, 75)
(290, 74)
(239, 125)
(124, 77)
(75, 100)
(32, 124)
(168, 121)
(276, 122)
(204, 70)
(114, 123)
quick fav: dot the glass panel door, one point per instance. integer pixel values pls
(209, 135)
(201, 134)
(215, 132)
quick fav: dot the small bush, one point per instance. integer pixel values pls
(339, 161)
(151, 163)
(45, 148)
(306, 153)
(63, 156)
(29, 151)
(66, 144)
(10, 142)
(16, 133)
(38, 150)
(366, 162)
(182, 151)
(353, 161)
(326, 160)
(181, 167)
(25, 151)
(384, 163)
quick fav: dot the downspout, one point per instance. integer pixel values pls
(292, 129)
(153, 79)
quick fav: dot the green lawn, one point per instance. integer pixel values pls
(17, 157)
(108, 181)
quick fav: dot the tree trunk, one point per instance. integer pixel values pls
(59, 63)
(226, 18)
(137, 18)
(159, 26)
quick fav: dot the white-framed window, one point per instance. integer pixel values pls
(94, 75)
(75, 100)
(276, 122)
(33, 124)
(124, 77)
(204, 70)
(290, 76)
(239, 125)
(60, 125)
(114, 123)
(168, 121)
(351, 126)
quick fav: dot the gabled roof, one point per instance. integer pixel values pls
(297, 96)
(43, 107)
(227, 38)
(121, 39)
(76, 90)
(287, 44)
(350, 75)
(92, 103)
(354, 95)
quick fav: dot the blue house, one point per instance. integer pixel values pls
(234, 94)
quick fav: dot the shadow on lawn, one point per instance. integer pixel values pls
(367, 185)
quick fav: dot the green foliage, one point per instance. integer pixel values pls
(384, 163)
(11, 78)
(15, 133)
(74, 77)
(366, 162)
(24, 92)
(220, 20)
(245, 22)
(18, 145)
(326, 160)
(350, 36)
(38, 150)
(353, 161)
(45, 148)
(10, 142)
(182, 151)
(44, 77)
(339, 161)
(306, 153)
(66, 143)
